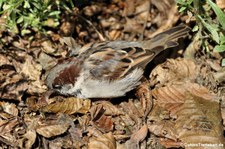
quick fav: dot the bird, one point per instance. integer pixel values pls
(109, 69)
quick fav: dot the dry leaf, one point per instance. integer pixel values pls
(123, 127)
(134, 113)
(166, 17)
(100, 120)
(143, 93)
(104, 141)
(194, 114)
(114, 34)
(170, 143)
(46, 61)
(140, 11)
(176, 93)
(47, 47)
(6, 131)
(30, 137)
(32, 70)
(7, 125)
(223, 110)
(199, 121)
(137, 137)
(109, 108)
(62, 142)
(4, 60)
(49, 131)
(163, 129)
(220, 3)
(104, 123)
(69, 105)
(13, 87)
(9, 108)
(174, 70)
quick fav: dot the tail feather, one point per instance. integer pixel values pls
(167, 39)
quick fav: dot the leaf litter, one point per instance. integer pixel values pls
(178, 104)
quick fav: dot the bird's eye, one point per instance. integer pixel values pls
(56, 86)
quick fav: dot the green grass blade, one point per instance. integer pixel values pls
(219, 13)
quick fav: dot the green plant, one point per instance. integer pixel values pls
(213, 27)
(22, 16)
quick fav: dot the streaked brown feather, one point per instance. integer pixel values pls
(112, 60)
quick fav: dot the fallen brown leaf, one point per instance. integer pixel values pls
(137, 137)
(166, 17)
(69, 105)
(9, 108)
(13, 84)
(164, 129)
(49, 131)
(104, 141)
(100, 120)
(29, 138)
(132, 111)
(109, 108)
(6, 133)
(220, 3)
(223, 110)
(144, 94)
(194, 114)
(174, 70)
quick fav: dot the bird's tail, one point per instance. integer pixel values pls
(167, 39)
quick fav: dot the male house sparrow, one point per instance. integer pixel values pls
(111, 68)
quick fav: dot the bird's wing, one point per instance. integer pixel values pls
(113, 60)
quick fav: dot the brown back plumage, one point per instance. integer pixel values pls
(114, 59)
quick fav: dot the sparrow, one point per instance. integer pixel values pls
(111, 68)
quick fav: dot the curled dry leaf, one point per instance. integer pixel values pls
(29, 138)
(69, 105)
(46, 61)
(6, 127)
(199, 121)
(84, 121)
(32, 70)
(176, 93)
(47, 47)
(14, 87)
(123, 126)
(195, 111)
(12, 84)
(92, 10)
(174, 70)
(137, 137)
(143, 93)
(132, 111)
(9, 108)
(166, 17)
(49, 131)
(4, 60)
(104, 141)
(158, 113)
(164, 129)
(140, 11)
(100, 120)
(109, 108)
(76, 135)
(104, 123)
